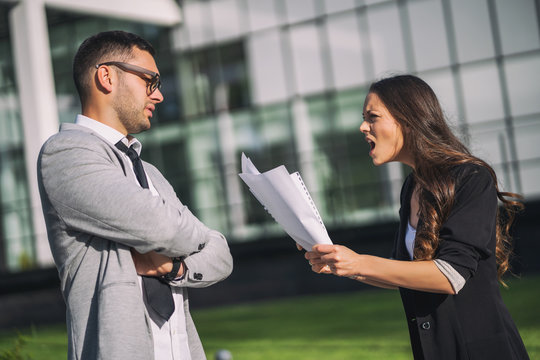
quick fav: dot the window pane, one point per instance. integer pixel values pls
(529, 156)
(371, 2)
(490, 143)
(428, 34)
(234, 75)
(275, 129)
(207, 74)
(299, 10)
(518, 25)
(10, 121)
(207, 192)
(348, 106)
(530, 173)
(179, 38)
(473, 30)
(194, 85)
(196, 14)
(528, 135)
(267, 73)
(345, 50)
(227, 20)
(306, 52)
(61, 51)
(523, 79)
(442, 83)
(262, 14)
(482, 92)
(338, 5)
(386, 39)
(63, 47)
(16, 225)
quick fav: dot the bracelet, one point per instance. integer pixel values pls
(177, 261)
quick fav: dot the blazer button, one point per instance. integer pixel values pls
(426, 325)
(197, 276)
(201, 246)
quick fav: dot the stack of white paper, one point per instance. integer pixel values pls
(287, 199)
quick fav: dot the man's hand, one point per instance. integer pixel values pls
(153, 264)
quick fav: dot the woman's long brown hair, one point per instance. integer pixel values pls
(436, 150)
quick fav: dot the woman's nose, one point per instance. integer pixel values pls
(364, 127)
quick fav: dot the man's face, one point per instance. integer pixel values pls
(132, 104)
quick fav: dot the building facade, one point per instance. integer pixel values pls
(281, 81)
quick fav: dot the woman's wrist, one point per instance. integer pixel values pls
(367, 267)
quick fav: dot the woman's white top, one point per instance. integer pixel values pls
(410, 235)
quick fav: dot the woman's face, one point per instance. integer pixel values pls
(383, 133)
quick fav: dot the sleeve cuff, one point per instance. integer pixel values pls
(456, 280)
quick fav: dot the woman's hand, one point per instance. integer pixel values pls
(335, 259)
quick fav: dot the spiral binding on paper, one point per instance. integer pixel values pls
(310, 199)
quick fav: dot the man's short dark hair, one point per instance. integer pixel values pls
(102, 47)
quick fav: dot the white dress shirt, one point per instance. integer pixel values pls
(170, 337)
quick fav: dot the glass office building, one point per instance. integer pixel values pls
(16, 231)
(284, 83)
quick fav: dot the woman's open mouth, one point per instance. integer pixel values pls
(371, 145)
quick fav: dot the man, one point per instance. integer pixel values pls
(118, 233)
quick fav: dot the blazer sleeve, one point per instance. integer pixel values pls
(84, 186)
(212, 261)
(208, 266)
(469, 232)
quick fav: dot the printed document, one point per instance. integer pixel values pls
(287, 199)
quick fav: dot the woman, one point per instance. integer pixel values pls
(452, 245)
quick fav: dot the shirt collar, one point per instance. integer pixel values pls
(111, 135)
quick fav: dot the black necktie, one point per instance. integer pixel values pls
(158, 293)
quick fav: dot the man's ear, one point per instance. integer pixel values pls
(104, 78)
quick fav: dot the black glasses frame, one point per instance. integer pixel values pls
(152, 84)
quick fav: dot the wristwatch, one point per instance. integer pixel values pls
(176, 263)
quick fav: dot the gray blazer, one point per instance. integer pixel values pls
(95, 212)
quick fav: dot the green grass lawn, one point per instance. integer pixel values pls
(360, 325)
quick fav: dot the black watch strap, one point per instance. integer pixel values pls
(176, 262)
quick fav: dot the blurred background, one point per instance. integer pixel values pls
(284, 82)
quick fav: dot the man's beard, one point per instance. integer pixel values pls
(133, 119)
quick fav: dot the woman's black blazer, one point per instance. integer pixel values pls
(475, 323)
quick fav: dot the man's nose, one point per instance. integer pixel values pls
(157, 96)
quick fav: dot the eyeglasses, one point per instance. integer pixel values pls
(152, 83)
